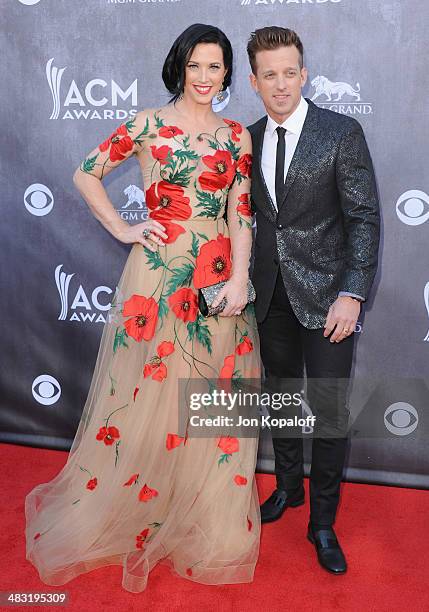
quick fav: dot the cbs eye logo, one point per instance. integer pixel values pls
(38, 199)
(401, 419)
(46, 389)
(412, 207)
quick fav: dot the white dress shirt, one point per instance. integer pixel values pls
(293, 126)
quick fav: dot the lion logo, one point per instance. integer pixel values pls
(134, 195)
(324, 86)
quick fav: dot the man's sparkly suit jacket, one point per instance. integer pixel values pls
(325, 235)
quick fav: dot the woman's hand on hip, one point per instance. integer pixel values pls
(148, 233)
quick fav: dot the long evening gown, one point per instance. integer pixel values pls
(133, 492)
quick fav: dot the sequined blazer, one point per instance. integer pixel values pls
(325, 235)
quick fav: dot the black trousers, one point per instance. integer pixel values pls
(286, 346)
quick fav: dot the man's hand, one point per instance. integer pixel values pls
(342, 318)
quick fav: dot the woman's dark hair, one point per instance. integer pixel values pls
(173, 71)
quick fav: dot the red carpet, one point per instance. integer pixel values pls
(383, 530)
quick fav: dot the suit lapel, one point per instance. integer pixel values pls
(302, 154)
(258, 140)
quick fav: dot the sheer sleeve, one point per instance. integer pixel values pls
(239, 210)
(125, 141)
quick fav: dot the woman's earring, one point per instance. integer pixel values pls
(219, 95)
(180, 97)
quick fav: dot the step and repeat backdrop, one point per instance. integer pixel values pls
(73, 70)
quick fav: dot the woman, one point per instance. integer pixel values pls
(133, 491)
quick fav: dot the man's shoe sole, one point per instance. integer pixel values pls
(312, 540)
(295, 504)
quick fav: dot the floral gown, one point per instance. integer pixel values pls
(133, 491)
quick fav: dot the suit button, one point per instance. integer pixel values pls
(279, 226)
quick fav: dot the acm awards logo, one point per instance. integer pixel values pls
(96, 99)
(79, 305)
(339, 96)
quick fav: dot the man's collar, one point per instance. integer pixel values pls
(293, 123)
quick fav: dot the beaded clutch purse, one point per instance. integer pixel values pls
(207, 295)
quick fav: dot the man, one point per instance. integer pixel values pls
(317, 216)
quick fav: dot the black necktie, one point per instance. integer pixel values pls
(280, 164)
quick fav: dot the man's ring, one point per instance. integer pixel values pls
(146, 233)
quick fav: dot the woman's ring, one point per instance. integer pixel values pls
(146, 233)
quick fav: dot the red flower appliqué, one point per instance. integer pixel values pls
(108, 435)
(236, 127)
(156, 367)
(141, 538)
(173, 441)
(147, 493)
(228, 367)
(244, 164)
(244, 346)
(213, 262)
(184, 303)
(120, 144)
(169, 131)
(91, 484)
(161, 154)
(173, 231)
(167, 201)
(144, 316)
(131, 480)
(240, 480)
(223, 171)
(244, 206)
(228, 444)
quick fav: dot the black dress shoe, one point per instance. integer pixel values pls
(273, 508)
(329, 552)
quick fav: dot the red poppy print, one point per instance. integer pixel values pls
(136, 390)
(228, 444)
(119, 142)
(141, 538)
(236, 127)
(228, 367)
(131, 480)
(167, 201)
(144, 316)
(156, 367)
(169, 131)
(213, 262)
(173, 231)
(240, 480)
(91, 484)
(37, 535)
(162, 154)
(244, 206)
(108, 435)
(189, 571)
(223, 171)
(184, 304)
(173, 441)
(244, 346)
(244, 164)
(249, 524)
(146, 494)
